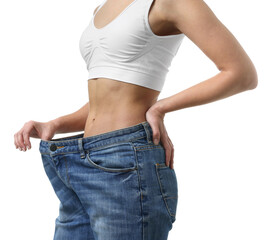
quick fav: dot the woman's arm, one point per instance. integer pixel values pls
(73, 122)
(237, 72)
(222, 85)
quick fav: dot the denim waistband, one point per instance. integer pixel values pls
(79, 143)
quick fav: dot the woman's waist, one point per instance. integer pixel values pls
(98, 123)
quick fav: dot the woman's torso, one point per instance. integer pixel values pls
(115, 104)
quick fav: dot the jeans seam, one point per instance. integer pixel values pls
(57, 172)
(141, 148)
(55, 154)
(140, 190)
(67, 175)
(148, 133)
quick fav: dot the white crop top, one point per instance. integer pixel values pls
(127, 50)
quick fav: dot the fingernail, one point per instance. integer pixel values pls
(28, 147)
(20, 148)
(155, 141)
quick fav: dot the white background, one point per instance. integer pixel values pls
(224, 151)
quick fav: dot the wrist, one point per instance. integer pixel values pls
(160, 106)
(55, 124)
(157, 109)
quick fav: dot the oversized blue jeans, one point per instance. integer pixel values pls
(111, 186)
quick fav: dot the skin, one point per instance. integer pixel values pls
(114, 104)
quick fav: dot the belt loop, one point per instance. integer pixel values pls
(82, 153)
(147, 130)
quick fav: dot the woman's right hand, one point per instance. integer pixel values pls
(42, 130)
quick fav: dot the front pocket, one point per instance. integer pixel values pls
(113, 158)
(168, 187)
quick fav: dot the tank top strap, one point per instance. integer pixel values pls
(146, 5)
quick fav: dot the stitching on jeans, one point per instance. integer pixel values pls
(114, 144)
(63, 153)
(161, 189)
(140, 189)
(110, 169)
(171, 197)
(67, 173)
(147, 132)
(57, 171)
(148, 148)
(130, 140)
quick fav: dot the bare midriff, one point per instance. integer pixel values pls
(114, 105)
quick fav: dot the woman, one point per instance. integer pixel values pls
(116, 180)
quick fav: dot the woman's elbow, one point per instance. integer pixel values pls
(251, 81)
(249, 78)
(253, 84)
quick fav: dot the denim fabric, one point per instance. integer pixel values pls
(111, 186)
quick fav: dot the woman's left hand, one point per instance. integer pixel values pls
(155, 118)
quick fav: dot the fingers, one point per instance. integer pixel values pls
(172, 153)
(161, 134)
(26, 138)
(19, 142)
(168, 149)
(22, 139)
(155, 135)
(15, 141)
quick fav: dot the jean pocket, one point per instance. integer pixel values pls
(168, 187)
(113, 158)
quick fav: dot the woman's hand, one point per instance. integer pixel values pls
(44, 131)
(155, 118)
